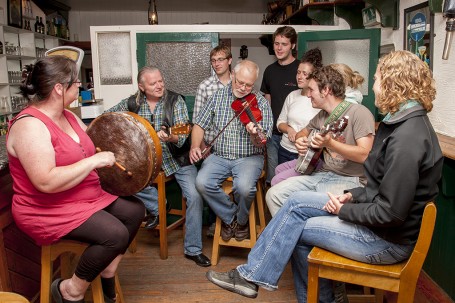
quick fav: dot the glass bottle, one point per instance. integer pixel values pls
(37, 24)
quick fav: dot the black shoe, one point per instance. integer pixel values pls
(242, 232)
(152, 222)
(228, 230)
(232, 281)
(57, 295)
(200, 259)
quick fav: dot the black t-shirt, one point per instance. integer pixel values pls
(279, 81)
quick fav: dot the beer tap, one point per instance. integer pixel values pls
(449, 13)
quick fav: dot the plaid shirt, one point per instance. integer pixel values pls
(207, 88)
(169, 165)
(235, 141)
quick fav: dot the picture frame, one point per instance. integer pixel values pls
(15, 13)
(419, 32)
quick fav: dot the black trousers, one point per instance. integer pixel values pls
(109, 233)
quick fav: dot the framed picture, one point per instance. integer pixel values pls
(419, 32)
(15, 13)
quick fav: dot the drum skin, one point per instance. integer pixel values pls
(136, 147)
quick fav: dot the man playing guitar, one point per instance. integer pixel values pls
(343, 157)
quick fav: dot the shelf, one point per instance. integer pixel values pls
(323, 13)
(17, 57)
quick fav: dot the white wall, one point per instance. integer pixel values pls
(442, 116)
(80, 21)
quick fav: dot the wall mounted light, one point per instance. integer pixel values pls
(152, 13)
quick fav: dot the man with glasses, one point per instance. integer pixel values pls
(220, 59)
(277, 83)
(236, 152)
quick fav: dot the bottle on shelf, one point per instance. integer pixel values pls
(1, 48)
(37, 24)
(264, 19)
(41, 25)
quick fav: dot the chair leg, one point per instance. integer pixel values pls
(252, 222)
(118, 288)
(97, 290)
(313, 283)
(260, 205)
(46, 274)
(162, 226)
(216, 242)
(133, 245)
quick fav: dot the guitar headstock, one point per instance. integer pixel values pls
(180, 129)
(338, 126)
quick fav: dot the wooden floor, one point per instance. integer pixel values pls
(145, 278)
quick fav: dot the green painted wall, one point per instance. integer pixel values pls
(440, 261)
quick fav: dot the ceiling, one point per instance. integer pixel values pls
(238, 6)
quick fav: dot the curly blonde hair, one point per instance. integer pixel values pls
(404, 77)
(351, 78)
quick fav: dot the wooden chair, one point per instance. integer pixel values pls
(400, 278)
(162, 227)
(10, 297)
(64, 249)
(255, 230)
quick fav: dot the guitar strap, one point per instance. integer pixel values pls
(337, 112)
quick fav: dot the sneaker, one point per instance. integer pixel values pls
(211, 231)
(242, 232)
(232, 281)
(228, 230)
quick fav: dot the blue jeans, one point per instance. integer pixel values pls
(186, 178)
(273, 144)
(245, 173)
(297, 227)
(284, 155)
(149, 196)
(320, 181)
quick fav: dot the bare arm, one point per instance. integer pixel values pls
(30, 142)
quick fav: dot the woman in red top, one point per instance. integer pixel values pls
(57, 192)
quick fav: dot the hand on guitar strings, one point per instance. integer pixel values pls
(301, 144)
(320, 141)
(335, 203)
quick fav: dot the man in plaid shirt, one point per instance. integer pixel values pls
(151, 97)
(237, 152)
(221, 59)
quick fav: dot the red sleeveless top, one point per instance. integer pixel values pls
(46, 217)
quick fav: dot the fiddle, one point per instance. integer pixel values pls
(247, 109)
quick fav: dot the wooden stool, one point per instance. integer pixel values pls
(163, 228)
(255, 230)
(10, 297)
(64, 249)
(400, 278)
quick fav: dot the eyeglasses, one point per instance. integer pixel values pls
(240, 83)
(77, 82)
(219, 60)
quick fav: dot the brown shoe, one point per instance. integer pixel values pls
(242, 232)
(228, 230)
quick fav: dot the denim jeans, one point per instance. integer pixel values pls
(245, 173)
(284, 155)
(273, 144)
(186, 178)
(149, 196)
(297, 227)
(321, 181)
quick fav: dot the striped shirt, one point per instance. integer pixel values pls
(207, 87)
(169, 165)
(235, 141)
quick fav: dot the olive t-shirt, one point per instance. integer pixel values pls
(360, 124)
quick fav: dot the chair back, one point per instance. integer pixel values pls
(74, 53)
(415, 262)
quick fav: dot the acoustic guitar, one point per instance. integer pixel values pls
(178, 129)
(307, 164)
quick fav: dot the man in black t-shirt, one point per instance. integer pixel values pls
(278, 81)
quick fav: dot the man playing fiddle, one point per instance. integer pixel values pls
(237, 151)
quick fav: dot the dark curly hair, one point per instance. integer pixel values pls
(312, 56)
(39, 79)
(329, 77)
